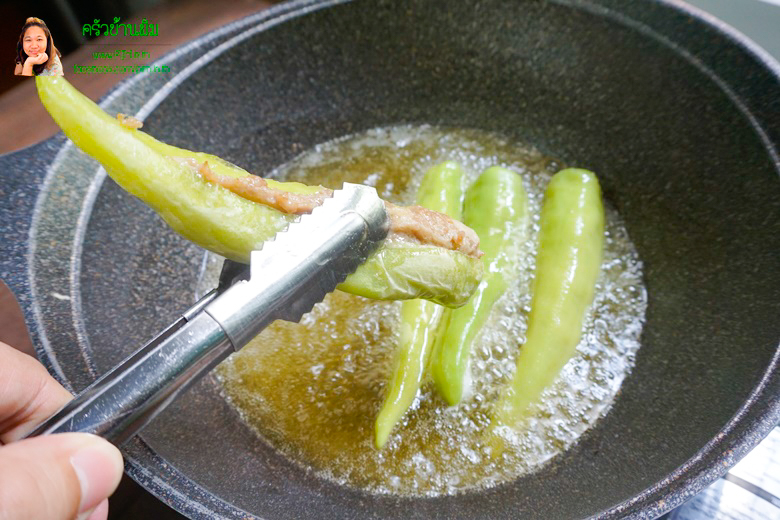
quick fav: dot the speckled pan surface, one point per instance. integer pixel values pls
(680, 119)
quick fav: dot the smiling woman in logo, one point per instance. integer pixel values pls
(36, 54)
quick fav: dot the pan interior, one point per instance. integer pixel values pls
(677, 158)
(314, 389)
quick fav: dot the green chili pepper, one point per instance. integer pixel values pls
(227, 224)
(441, 190)
(496, 207)
(571, 240)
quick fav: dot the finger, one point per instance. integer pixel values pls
(28, 394)
(57, 476)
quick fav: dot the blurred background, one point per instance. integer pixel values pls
(750, 491)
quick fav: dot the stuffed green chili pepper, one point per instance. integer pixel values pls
(496, 207)
(571, 240)
(441, 190)
(224, 209)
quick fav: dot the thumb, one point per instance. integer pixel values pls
(57, 477)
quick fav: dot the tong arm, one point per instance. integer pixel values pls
(287, 277)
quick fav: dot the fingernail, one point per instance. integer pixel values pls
(98, 468)
(87, 515)
(99, 513)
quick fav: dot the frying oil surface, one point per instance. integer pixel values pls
(313, 389)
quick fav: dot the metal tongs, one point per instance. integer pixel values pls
(287, 277)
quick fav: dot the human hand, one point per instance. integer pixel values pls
(38, 59)
(57, 477)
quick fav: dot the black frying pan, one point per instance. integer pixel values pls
(679, 116)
